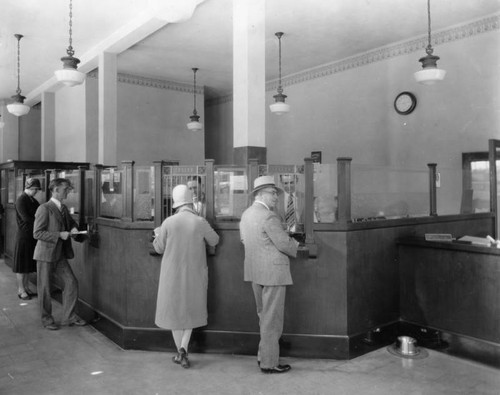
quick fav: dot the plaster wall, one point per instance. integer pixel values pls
(350, 113)
(30, 135)
(219, 132)
(70, 121)
(152, 125)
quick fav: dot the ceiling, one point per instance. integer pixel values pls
(316, 32)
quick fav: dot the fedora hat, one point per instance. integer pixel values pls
(181, 195)
(265, 182)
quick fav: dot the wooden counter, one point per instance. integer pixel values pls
(343, 303)
(454, 289)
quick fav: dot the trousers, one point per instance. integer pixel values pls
(270, 303)
(60, 270)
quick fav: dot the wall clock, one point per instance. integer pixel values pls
(405, 103)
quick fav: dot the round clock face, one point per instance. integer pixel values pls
(405, 103)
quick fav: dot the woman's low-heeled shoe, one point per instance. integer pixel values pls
(24, 296)
(184, 358)
(277, 369)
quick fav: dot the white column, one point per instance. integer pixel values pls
(249, 74)
(107, 109)
(48, 127)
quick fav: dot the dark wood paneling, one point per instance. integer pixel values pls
(373, 271)
(451, 290)
(350, 289)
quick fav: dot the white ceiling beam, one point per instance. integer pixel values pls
(128, 35)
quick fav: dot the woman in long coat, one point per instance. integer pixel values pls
(26, 206)
(182, 290)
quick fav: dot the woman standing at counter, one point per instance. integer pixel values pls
(182, 289)
(26, 206)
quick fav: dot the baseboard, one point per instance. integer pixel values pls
(458, 345)
(206, 340)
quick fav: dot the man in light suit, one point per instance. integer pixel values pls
(267, 266)
(52, 228)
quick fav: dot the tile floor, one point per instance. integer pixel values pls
(80, 360)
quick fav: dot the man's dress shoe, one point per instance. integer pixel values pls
(76, 322)
(24, 296)
(277, 369)
(51, 327)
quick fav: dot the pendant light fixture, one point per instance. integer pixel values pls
(18, 108)
(69, 75)
(279, 107)
(429, 74)
(195, 125)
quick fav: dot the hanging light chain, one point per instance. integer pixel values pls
(280, 89)
(429, 49)
(18, 36)
(194, 77)
(70, 50)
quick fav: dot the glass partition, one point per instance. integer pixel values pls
(383, 192)
(230, 192)
(192, 176)
(325, 193)
(111, 196)
(20, 177)
(144, 185)
(89, 198)
(72, 202)
(3, 191)
(11, 186)
(23, 174)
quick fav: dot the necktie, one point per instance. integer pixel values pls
(290, 213)
(64, 213)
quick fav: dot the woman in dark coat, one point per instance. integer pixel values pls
(26, 206)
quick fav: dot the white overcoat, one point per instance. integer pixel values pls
(182, 288)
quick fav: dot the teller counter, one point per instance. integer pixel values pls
(345, 300)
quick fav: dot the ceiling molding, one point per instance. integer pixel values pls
(456, 33)
(151, 82)
(465, 31)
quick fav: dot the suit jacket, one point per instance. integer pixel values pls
(267, 247)
(49, 222)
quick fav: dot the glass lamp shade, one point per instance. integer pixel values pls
(69, 76)
(18, 109)
(279, 108)
(429, 76)
(195, 126)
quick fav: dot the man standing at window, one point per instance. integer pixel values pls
(267, 266)
(53, 228)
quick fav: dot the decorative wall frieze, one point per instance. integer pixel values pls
(151, 82)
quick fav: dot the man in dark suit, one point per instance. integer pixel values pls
(267, 266)
(53, 228)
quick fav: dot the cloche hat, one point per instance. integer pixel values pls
(32, 183)
(265, 182)
(181, 196)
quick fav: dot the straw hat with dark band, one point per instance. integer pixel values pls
(265, 182)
